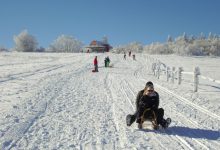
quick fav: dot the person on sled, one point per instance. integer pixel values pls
(148, 99)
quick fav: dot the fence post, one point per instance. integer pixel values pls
(158, 70)
(154, 68)
(180, 75)
(173, 74)
(168, 73)
(196, 78)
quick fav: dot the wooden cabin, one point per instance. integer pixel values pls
(98, 46)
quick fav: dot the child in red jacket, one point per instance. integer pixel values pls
(96, 64)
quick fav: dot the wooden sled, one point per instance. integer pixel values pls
(152, 119)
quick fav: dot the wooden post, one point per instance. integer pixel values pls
(158, 70)
(154, 68)
(180, 75)
(196, 78)
(168, 73)
(173, 74)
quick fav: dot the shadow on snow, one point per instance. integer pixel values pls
(189, 132)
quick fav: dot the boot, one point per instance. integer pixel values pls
(165, 123)
(130, 119)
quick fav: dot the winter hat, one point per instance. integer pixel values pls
(149, 84)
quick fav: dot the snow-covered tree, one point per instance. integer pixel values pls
(25, 42)
(211, 36)
(169, 39)
(202, 36)
(185, 45)
(65, 43)
(134, 47)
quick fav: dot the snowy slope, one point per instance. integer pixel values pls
(54, 101)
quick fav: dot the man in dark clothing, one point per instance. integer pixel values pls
(105, 61)
(108, 61)
(148, 99)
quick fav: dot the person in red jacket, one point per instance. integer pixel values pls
(96, 64)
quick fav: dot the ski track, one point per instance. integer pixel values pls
(72, 108)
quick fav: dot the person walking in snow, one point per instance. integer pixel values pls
(95, 62)
(105, 61)
(108, 61)
(133, 57)
(148, 98)
(124, 55)
(129, 53)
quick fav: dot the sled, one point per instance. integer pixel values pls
(94, 71)
(146, 122)
(110, 66)
(152, 118)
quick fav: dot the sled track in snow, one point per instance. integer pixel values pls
(195, 124)
(194, 106)
(14, 134)
(186, 101)
(46, 69)
(113, 97)
(139, 75)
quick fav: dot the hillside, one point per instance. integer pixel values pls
(54, 101)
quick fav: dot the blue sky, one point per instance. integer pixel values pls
(122, 21)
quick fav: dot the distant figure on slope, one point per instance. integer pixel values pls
(147, 106)
(133, 57)
(108, 61)
(124, 55)
(129, 53)
(95, 62)
(105, 61)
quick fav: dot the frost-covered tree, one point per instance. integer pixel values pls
(169, 39)
(134, 47)
(211, 36)
(65, 44)
(159, 48)
(201, 36)
(25, 42)
(185, 45)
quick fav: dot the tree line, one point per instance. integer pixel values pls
(25, 42)
(182, 45)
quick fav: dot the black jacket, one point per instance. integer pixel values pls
(147, 101)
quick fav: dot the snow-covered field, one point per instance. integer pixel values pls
(54, 101)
